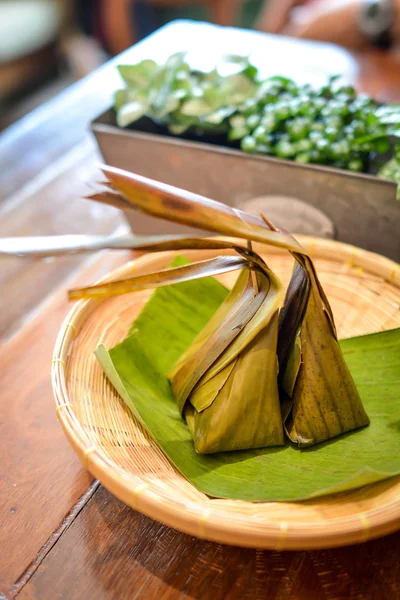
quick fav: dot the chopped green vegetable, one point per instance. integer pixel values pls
(355, 165)
(248, 144)
(260, 134)
(253, 121)
(298, 128)
(391, 171)
(284, 148)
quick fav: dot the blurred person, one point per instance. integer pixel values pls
(30, 33)
(118, 24)
(355, 24)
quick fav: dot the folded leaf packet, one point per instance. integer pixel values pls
(226, 383)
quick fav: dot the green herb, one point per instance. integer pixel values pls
(180, 98)
(344, 129)
(391, 171)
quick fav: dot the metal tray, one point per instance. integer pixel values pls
(350, 207)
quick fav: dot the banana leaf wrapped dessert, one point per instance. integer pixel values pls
(227, 384)
(319, 397)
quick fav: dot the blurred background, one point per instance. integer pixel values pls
(45, 45)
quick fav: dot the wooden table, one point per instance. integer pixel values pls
(62, 534)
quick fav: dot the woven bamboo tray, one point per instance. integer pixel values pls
(364, 291)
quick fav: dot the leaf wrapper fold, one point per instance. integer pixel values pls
(226, 383)
(322, 400)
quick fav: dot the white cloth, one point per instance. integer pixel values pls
(27, 26)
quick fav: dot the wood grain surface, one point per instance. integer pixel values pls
(111, 552)
(61, 535)
(41, 480)
(51, 204)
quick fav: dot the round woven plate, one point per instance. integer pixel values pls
(364, 290)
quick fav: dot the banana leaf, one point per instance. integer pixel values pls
(164, 330)
(226, 383)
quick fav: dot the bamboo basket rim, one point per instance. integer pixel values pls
(206, 519)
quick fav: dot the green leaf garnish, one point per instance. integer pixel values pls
(343, 130)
